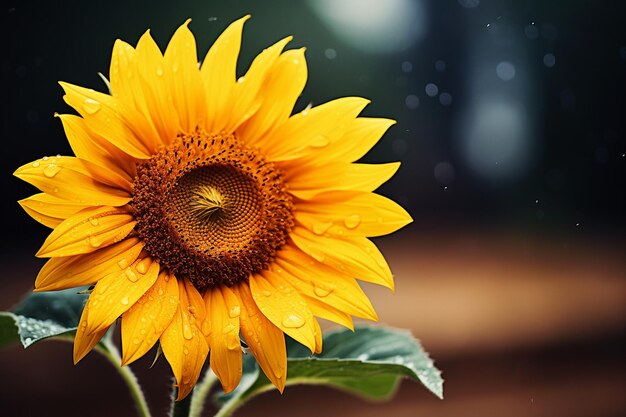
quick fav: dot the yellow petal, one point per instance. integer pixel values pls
(311, 132)
(281, 89)
(74, 180)
(87, 231)
(327, 312)
(341, 213)
(362, 134)
(147, 319)
(118, 291)
(111, 119)
(308, 181)
(283, 306)
(183, 343)
(79, 270)
(90, 147)
(247, 95)
(318, 337)
(219, 76)
(150, 88)
(355, 256)
(49, 210)
(266, 341)
(317, 281)
(185, 84)
(85, 341)
(223, 311)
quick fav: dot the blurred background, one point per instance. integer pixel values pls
(511, 132)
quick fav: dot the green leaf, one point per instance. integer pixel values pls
(369, 362)
(40, 316)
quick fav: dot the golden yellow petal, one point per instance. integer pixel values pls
(307, 181)
(266, 341)
(79, 270)
(85, 341)
(361, 135)
(223, 311)
(355, 256)
(317, 281)
(87, 231)
(318, 337)
(150, 89)
(113, 120)
(74, 180)
(219, 76)
(93, 148)
(327, 312)
(311, 132)
(283, 306)
(247, 95)
(281, 89)
(350, 213)
(184, 81)
(183, 344)
(118, 291)
(144, 323)
(49, 210)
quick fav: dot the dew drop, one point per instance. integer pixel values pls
(161, 292)
(91, 106)
(51, 170)
(232, 342)
(187, 333)
(322, 291)
(234, 312)
(94, 221)
(124, 301)
(36, 164)
(352, 221)
(266, 293)
(130, 274)
(186, 351)
(159, 71)
(319, 141)
(321, 228)
(122, 263)
(142, 266)
(293, 321)
(94, 242)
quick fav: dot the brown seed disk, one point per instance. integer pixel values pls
(211, 210)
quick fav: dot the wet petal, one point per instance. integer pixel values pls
(77, 181)
(266, 341)
(341, 213)
(223, 311)
(87, 231)
(118, 291)
(79, 270)
(144, 323)
(49, 210)
(283, 306)
(219, 76)
(357, 257)
(85, 341)
(183, 344)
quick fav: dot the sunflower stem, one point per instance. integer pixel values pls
(200, 392)
(230, 406)
(109, 351)
(180, 408)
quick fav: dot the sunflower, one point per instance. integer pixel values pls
(204, 213)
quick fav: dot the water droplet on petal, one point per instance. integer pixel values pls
(94, 242)
(232, 342)
(186, 351)
(320, 141)
(51, 170)
(94, 221)
(352, 221)
(187, 333)
(229, 328)
(321, 290)
(159, 71)
(122, 263)
(130, 274)
(36, 164)
(266, 293)
(124, 301)
(293, 321)
(234, 312)
(91, 106)
(142, 266)
(321, 228)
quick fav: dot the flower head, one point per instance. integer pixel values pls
(205, 213)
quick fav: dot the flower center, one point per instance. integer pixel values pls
(211, 210)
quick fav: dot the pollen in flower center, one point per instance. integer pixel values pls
(211, 210)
